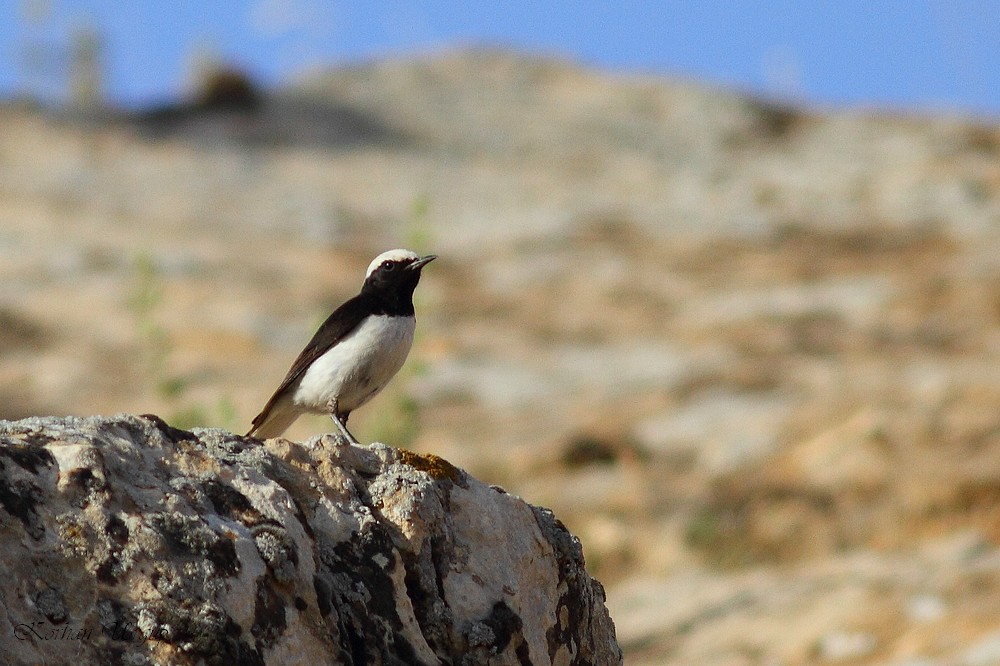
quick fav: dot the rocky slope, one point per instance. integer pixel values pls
(745, 350)
(128, 541)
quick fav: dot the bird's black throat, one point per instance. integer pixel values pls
(392, 304)
(390, 294)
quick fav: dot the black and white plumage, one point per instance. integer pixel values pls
(355, 352)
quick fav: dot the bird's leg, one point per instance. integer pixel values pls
(341, 422)
(344, 431)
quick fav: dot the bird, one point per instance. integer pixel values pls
(354, 353)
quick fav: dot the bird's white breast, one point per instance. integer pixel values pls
(357, 367)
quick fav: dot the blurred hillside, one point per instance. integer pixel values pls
(746, 351)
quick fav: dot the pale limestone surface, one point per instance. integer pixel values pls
(128, 541)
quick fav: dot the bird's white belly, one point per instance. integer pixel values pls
(357, 367)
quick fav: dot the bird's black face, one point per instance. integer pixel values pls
(397, 275)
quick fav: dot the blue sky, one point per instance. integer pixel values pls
(919, 54)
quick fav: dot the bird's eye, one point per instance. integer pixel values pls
(388, 265)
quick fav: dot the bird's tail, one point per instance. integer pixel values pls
(274, 420)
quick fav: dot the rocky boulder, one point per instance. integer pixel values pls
(127, 541)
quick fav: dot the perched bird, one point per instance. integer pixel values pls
(356, 351)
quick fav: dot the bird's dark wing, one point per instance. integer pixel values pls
(343, 320)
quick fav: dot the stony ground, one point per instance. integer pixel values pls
(747, 352)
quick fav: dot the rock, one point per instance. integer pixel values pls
(926, 608)
(720, 430)
(127, 541)
(845, 645)
(852, 454)
(984, 651)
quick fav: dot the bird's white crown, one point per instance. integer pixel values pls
(391, 255)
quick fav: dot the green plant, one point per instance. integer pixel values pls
(144, 303)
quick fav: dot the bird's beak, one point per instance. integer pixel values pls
(419, 263)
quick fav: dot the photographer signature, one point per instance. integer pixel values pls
(43, 631)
